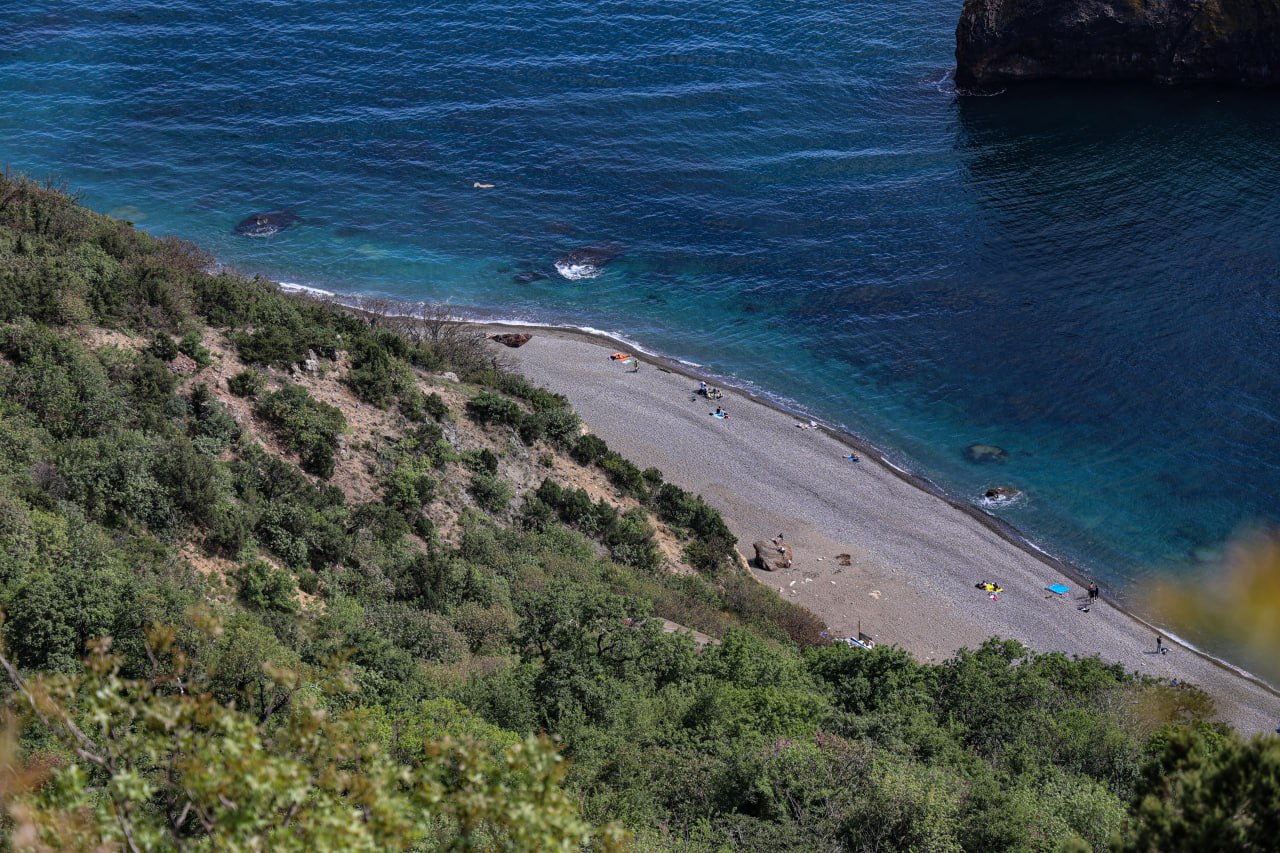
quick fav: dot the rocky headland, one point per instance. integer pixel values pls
(1233, 42)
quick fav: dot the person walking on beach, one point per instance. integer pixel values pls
(1094, 592)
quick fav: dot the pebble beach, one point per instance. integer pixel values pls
(914, 557)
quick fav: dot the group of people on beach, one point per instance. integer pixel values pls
(710, 393)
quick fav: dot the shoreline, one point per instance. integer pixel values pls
(996, 525)
(1222, 679)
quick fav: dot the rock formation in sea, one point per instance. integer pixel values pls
(1167, 41)
(1001, 494)
(266, 224)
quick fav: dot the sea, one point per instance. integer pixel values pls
(800, 205)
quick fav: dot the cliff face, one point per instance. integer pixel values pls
(1168, 41)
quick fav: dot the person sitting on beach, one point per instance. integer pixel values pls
(719, 413)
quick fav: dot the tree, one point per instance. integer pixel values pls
(1206, 791)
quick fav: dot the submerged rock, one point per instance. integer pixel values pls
(266, 224)
(981, 453)
(512, 339)
(1167, 41)
(528, 276)
(585, 263)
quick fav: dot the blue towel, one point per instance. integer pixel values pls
(1058, 588)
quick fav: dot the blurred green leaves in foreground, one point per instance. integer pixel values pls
(158, 763)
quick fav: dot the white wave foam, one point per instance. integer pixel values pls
(897, 468)
(293, 287)
(576, 272)
(1000, 502)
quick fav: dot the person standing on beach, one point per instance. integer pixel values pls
(1094, 592)
(1160, 647)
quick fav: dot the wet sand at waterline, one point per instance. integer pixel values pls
(915, 556)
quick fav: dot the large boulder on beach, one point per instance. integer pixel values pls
(266, 224)
(986, 453)
(512, 339)
(1235, 42)
(771, 557)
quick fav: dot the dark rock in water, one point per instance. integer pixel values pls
(1167, 41)
(528, 276)
(586, 263)
(511, 339)
(1001, 493)
(266, 224)
(986, 453)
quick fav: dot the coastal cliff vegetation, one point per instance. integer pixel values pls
(281, 575)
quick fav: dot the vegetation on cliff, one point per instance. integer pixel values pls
(353, 585)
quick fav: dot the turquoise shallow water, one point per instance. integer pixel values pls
(1088, 278)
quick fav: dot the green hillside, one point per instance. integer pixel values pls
(279, 575)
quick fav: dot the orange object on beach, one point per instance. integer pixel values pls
(619, 356)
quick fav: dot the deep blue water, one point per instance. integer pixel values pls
(1086, 277)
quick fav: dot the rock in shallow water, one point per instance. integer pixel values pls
(585, 263)
(986, 453)
(1167, 41)
(266, 224)
(1001, 493)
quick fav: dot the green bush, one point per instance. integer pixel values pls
(272, 345)
(488, 408)
(193, 346)
(247, 383)
(490, 492)
(483, 461)
(215, 428)
(163, 347)
(589, 449)
(264, 587)
(436, 406)
(378, 377)
(624, 474)
(307, 426)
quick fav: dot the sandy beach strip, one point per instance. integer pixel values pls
(915, 556)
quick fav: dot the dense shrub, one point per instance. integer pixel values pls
(262, 586)
(247, 383)
(490, 492)
(307, 426)
(489, 408)
(377, 376)
(589, 449)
